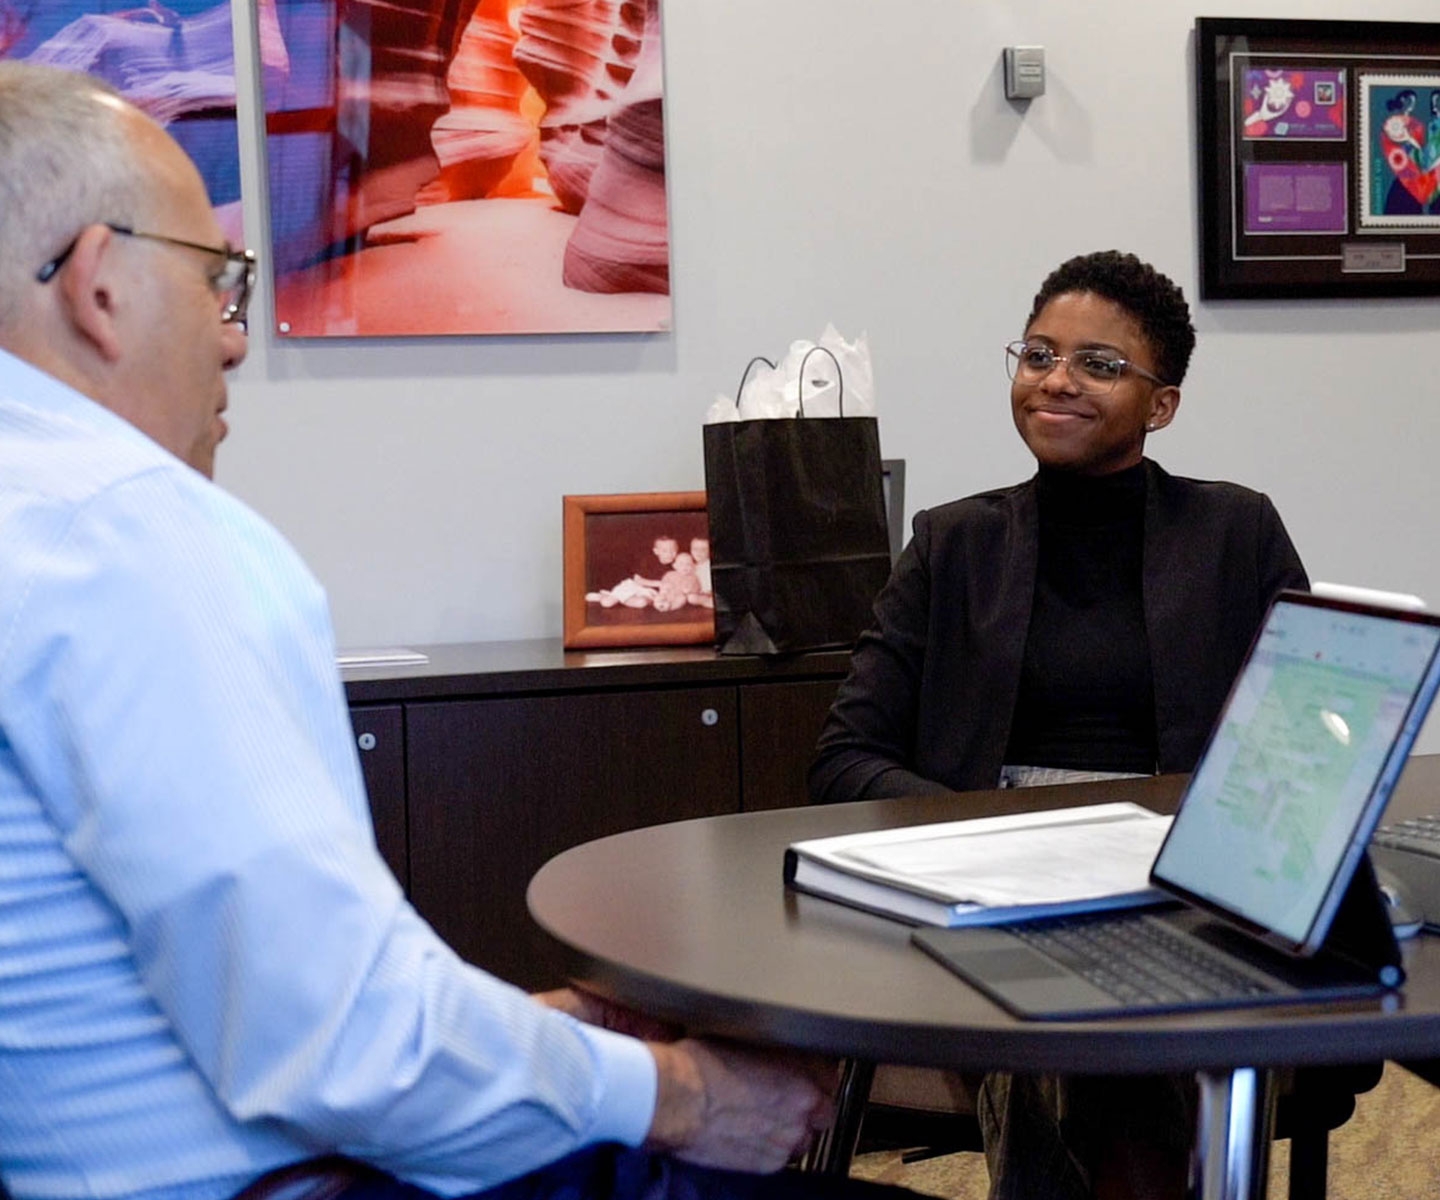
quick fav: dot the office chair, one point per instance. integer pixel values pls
(920, 1111)
(924, 1112)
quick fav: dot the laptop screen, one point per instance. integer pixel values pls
(1299, 765)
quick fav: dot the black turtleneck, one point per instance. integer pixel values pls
(1086, 694)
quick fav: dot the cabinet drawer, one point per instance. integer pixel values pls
(499, 786)
(380, 739)
(779, 725)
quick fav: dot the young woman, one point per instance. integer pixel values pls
(1084, 623)
(1089, 619)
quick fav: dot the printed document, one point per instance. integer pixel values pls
(990, 869)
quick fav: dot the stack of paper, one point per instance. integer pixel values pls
(991, 869)
(390, 656)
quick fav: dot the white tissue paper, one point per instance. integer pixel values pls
(777, 392)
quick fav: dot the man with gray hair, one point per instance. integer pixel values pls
(209, 982)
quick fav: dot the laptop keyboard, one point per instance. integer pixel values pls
(1419, 835)
(1138, 960)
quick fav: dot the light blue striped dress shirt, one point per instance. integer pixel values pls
(205, 968)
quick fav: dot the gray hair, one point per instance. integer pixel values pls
(65, 163)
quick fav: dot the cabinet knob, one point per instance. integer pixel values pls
(366, 741)
(708, 716)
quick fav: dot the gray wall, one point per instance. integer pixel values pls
(854, 161)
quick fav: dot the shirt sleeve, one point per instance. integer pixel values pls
(867, 744)
(191, 742)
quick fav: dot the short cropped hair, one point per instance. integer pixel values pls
(64, 164)
(1154, 301)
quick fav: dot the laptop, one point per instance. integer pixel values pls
(1406, 854)
(1274, 898)
(1407, 865)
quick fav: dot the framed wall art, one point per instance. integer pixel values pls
(1319, 158)
(476, 167)
(175, 62)
(637, 570)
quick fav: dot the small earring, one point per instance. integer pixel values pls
(1150, 428)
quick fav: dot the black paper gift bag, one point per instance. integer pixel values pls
(799, 545)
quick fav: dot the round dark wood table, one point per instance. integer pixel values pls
(691, 922)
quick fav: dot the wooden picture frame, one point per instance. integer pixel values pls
(625, 585)
(1316, 179)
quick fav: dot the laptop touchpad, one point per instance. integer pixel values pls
(1004, 966)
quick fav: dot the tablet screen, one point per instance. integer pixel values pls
(1299, 764)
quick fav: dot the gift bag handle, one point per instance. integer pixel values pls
(745, 374)
(800, 383)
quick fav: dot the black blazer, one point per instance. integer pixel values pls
(932, 687)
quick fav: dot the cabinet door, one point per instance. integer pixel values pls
(380, 737)
(497, 787)
(779, 724)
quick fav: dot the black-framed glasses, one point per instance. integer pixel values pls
(1093, 371)
(233, 283)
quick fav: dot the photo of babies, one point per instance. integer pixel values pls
(638, 570)
(686, 580)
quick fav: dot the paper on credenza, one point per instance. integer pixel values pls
(393, 656)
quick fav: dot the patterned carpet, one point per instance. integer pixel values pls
(1389, 1150)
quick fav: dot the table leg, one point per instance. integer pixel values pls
(1230, 1158)
(832, 1150)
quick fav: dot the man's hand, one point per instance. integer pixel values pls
(720, 1105)
(590, 1008)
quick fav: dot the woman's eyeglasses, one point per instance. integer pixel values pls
(1093, 371)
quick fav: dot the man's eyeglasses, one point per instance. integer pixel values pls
(232, 283)
(1093, 371)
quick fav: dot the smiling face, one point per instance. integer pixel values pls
(1077, 431)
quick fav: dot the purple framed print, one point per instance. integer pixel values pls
(175, 61)
(1295, 198)
(1319, 158)
(1399, 151)
(1294, 103)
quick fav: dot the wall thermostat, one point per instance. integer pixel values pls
(1024, 72)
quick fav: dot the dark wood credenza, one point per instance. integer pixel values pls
(492, 757)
